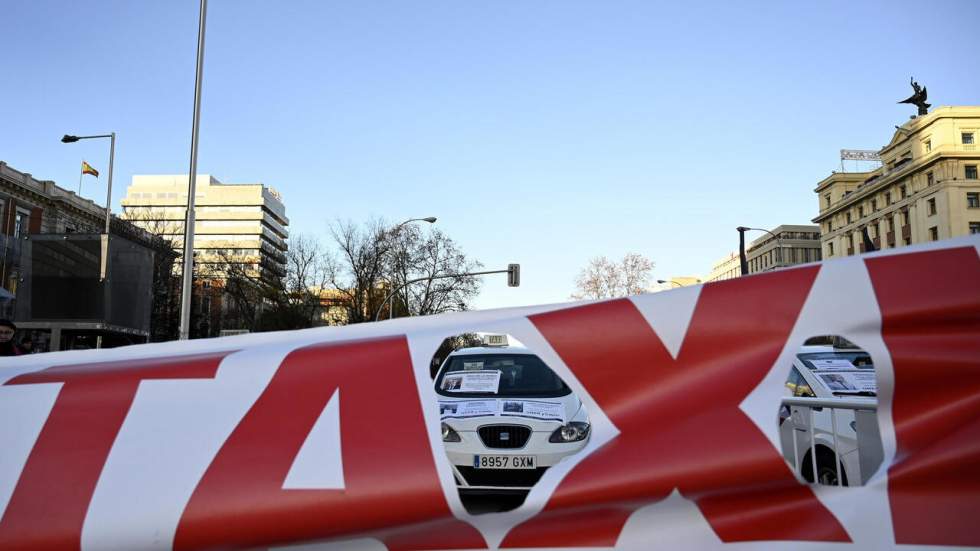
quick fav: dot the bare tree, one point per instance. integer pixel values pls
(165, 306)
(359, 269)
(264, 297)
(603, 278)
(418, 255)
(306, 277)
(373, 260)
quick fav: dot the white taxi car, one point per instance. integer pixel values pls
(832, 374)
(506, 418)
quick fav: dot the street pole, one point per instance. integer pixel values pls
(104, 241)
(108, 199)
(188, 279)
(394, 232)
(741, 247)
(743, 261)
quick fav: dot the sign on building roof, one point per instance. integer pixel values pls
(859, 155)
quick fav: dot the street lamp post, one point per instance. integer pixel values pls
(188, 275)
(741, 234)
(665, 281)
(394, 231)
(104, 245)
(68, 138)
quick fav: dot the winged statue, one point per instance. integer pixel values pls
(918, 98)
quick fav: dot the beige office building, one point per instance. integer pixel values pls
(241, 223)
(796, 244)
(925, 190)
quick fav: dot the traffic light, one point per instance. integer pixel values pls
(513, 275)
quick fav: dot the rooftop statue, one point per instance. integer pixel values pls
(918, 98)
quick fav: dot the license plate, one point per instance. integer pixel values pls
(503, 462)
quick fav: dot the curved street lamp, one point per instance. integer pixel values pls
(741, 247)
(429, 219)
(394, 230)
(664, 282)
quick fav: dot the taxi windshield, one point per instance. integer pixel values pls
(843, 372)
(499, 375)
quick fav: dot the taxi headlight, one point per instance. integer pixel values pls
(448, 434)
(572, 432)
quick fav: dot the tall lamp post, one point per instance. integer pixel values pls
(394, 231)
(104, 245)
(68, 138)
(188, 279)
(741, 247)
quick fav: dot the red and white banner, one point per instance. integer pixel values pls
(298, 439)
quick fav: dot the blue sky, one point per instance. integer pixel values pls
(539, 132)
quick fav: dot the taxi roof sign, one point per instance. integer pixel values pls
(494, 340)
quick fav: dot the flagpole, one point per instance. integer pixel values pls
(80, 174)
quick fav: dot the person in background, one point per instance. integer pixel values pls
(26, 345)
(7, 346)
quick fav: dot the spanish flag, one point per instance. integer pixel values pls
(87, 169)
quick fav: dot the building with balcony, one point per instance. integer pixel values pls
(244, 225)
(796, 244)
(926, 188)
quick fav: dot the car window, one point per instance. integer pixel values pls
(520, 375)
(798, 385)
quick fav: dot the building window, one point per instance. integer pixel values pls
(848, 217)
(891, 224)
(930, 179)
(860, 212)
(874, 205)
(974, 228)
(830, 249)
(826, 199)
(904, 190)
(967, 138)
(931, 206)
(830, 225)
(20, 224)
(973, 200)
(927, 145)
(934, 233)
(888, 198)
(971, 172)
(850, 240)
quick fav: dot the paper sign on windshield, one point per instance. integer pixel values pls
(468, 408)
(850, 382)
(529, 408)
(865, 382)
(833, 363)
(472, 381)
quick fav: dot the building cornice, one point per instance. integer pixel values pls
(890, 178)
(912, 127)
